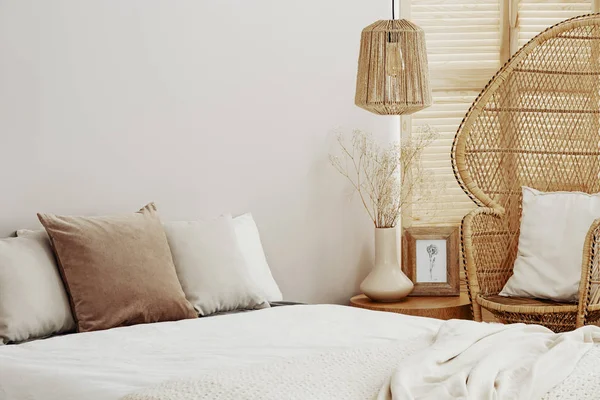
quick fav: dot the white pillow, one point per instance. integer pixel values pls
(33, 300)
(251, 247)
(210, 266)
(553, 230)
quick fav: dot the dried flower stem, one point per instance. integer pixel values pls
(385, 178)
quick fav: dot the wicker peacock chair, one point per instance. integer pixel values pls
(536, 124)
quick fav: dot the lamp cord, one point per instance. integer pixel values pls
(393, 9)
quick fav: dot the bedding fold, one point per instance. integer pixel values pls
(489, 361)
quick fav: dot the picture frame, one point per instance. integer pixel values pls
(430, 259)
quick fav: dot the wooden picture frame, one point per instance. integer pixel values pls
(421, 248)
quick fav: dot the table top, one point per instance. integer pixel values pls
(413, 303)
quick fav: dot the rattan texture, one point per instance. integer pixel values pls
(385, 93)
(535, 124)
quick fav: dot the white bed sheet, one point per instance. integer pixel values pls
(107, 365)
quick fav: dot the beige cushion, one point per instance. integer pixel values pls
(553, 230)
(118, 270)
(211, 266)
(33, 301)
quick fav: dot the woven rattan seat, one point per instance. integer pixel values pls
(536, 124)
(519, 304)
(557, 316)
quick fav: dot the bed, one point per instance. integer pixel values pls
(316, 351)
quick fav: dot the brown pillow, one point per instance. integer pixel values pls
(117, 270)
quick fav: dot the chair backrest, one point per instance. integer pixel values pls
(536, 123)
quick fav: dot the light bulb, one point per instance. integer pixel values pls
(394, 62)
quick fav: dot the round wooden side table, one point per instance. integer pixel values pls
(455, 307)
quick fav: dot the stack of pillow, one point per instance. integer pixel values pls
(91, 273)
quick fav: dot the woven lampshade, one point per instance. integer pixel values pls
(393, 77)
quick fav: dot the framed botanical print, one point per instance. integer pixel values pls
(430, 260)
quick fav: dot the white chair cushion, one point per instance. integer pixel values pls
(553, 230)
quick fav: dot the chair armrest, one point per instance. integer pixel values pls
(489, 248)
(589, 286)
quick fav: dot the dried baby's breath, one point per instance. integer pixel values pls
(384, 178)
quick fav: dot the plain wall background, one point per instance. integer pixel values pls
(203, 106)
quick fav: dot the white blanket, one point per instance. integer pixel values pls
(464, 360)
(354, 374)
(107, 365)
(489, 361)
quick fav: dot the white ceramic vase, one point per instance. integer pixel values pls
(386, 282)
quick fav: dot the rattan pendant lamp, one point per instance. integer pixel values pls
(393, 77)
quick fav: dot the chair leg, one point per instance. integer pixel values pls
(580, 321)
(477, 314)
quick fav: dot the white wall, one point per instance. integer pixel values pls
(203, 106)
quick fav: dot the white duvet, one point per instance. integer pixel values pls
(308, 352)
(107, 365)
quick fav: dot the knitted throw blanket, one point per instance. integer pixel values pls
(405, 369)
